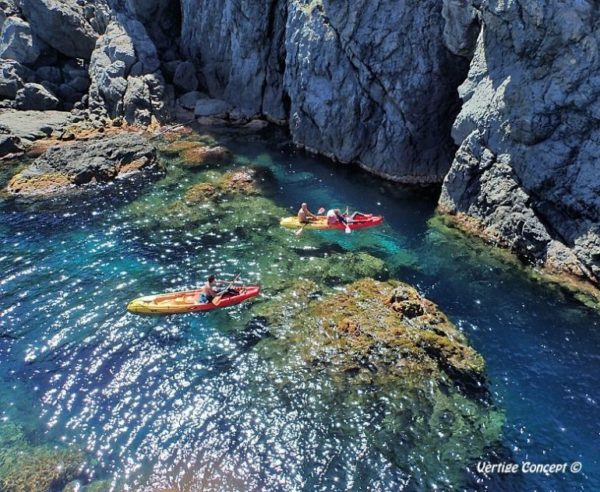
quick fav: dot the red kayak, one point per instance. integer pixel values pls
(188, 301)
(360, 221)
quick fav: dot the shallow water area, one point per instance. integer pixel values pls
(215, 402)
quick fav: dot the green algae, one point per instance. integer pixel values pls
(443, 233)
(25, 467)
(382, 347)
(385, 327)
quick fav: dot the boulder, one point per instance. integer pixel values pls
(80, 84)
(211, 107)
(256, 125)
(63, 25)
(189, 99)
(200, 156)
(68, 94)
(118, 89)
(37, 97)
(10, 144)
(73, 69)
(185, 77)
(13, 76)
(72, 165)
(18, 43)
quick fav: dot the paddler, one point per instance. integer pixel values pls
(335, 216)
(208, 291)
(305, 216)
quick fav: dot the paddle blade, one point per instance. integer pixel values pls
(321, 211)
(217, 300)
(348, 230)
(299, 231)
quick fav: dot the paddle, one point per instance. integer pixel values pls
(347, 229)
(301, 230)
(217, 300)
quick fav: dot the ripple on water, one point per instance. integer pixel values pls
(158, 403)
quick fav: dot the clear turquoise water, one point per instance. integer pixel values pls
(188, 401)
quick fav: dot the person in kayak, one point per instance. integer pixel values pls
(334, 216)
(209, 290)
(305, 216)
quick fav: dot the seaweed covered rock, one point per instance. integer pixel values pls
(201, 192)
(384, 330)
(340, 268)
(178, 146)
(200, 156)
(220, 202)
(73, 165)
(379, 352)
(32, 468)
(240, 181)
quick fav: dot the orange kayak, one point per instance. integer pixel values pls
(187, 301)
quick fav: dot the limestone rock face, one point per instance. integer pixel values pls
(125, 73)
(526, 173)
(373, 84)
(240, 51)
(73, 165)
(64, 25)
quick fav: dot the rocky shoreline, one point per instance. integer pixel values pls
(433, 92)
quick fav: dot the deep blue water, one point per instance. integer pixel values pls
(181, 401)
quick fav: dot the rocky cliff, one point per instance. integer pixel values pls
(396, 87)
(526, 171)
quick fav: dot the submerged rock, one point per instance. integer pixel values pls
(73, 165)
(386, 328)
(201, 192)
(25, 467)
(178, 146)
(241, 181)
(200, 156)
(363, 351)
(333, 269)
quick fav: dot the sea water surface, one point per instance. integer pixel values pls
(188, 403)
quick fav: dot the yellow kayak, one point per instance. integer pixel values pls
(359, 222)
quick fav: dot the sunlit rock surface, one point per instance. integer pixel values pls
(73, 165)
(525, 175)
